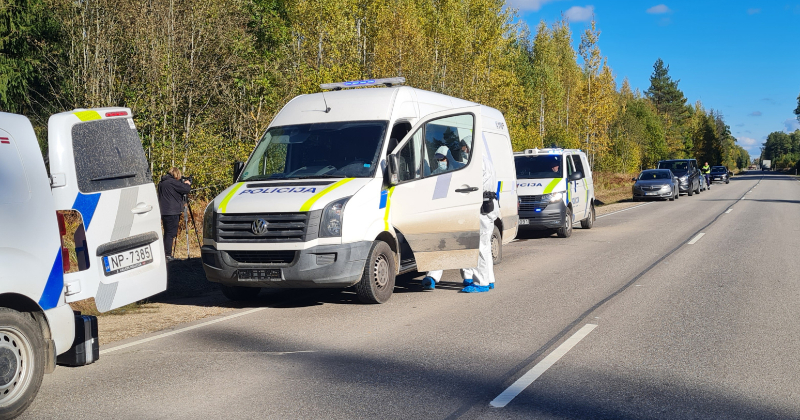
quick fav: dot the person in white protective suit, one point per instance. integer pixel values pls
(481, 278)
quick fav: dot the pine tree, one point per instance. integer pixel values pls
(665, 95)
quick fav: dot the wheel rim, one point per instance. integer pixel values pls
(568, 222)
(16, 361)
(495, 246)
(381, 271)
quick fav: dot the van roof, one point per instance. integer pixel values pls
(548, 151)
(368, 104)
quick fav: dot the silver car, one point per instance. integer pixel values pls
(656, 183)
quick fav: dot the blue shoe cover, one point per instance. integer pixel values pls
(475, 289)
(428, 283)
(467, 282)
(491, 286)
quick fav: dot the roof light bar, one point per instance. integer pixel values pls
(389, 82)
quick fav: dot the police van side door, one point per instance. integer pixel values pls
(578, 189)
(438, 212)
(99, 169)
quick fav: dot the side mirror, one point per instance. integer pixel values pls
(633, 179)
(237, 169)
(393, 169)
(576, 176)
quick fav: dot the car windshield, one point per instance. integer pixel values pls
(323, 150)
(534, 167)
(718, 169)
(677, 167)
(648, 175)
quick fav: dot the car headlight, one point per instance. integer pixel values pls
(553, 197)
(208, 221)
(684, 178)
(331, 223)
(666, 187)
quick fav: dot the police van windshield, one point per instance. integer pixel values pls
(324, 150)
(538, 167)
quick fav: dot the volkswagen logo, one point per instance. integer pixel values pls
(259, 226)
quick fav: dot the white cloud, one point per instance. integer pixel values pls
(753, 11)
(752, 145)
(579, 14)
(755, 114)
(659, 9)
(747, 141)
(791, 125)
(533, 5)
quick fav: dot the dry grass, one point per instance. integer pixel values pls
(612, 187)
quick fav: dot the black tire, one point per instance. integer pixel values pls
(588, 222)
(22, 361)
(690, 193)
(238, 293)
(565, 231)
(377, 281)
(497, 247)
(727, 181)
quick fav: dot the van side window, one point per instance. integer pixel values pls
(448, 144)
(578, 164)
(409, 158)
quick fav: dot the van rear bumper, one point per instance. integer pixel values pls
(323, 266)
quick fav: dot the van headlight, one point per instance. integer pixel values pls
(331, 223)
(208, 221)
(554, 197)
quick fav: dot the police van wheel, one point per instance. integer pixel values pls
(497, 247)
(588, 222)
(239, 292)
(377, 281)
(566, 230)
(22, 361)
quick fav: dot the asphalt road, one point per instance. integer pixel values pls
(631, 320)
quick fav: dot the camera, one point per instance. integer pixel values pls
(189, 178)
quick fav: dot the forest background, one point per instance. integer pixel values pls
(205, 78)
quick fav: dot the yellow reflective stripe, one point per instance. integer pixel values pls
(87, 115)
(307, 205)
(388, 205)
(223, 206)
(549, 188)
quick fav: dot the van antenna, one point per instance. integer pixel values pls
(327, 108)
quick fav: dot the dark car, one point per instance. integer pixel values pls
(720, 174)
(687, 172)
(656, 183)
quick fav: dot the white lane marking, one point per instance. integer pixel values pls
(506, 396)
(620, 211)
(728, 211)
(696, 238)
(178, 331)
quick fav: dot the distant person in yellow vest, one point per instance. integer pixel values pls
(706, 172)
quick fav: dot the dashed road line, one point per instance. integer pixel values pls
(729, 210)
(696, 238)
(620, 211)
(523, 382)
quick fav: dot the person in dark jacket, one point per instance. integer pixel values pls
(170, 198)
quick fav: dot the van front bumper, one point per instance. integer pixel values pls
(323, 266)
(550, 217)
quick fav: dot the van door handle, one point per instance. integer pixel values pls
(467, 190)
(141, 208)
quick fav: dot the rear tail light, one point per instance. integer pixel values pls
(62, 230)
(116, 114)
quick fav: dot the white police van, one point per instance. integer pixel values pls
(343, 189)
(98, 170)
(555, 189)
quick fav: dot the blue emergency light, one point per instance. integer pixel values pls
(389, 82)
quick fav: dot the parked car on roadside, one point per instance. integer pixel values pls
(687, 172)
(720, 174)
(656, 183)
(703, 185)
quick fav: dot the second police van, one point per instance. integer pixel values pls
(344, 189)
(555, 189)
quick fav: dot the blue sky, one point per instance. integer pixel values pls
(739, 57)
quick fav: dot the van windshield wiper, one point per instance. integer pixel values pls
(114, 176)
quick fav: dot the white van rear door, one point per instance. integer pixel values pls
(438, 210)
(98, 168)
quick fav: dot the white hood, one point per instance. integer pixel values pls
(287, 196)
